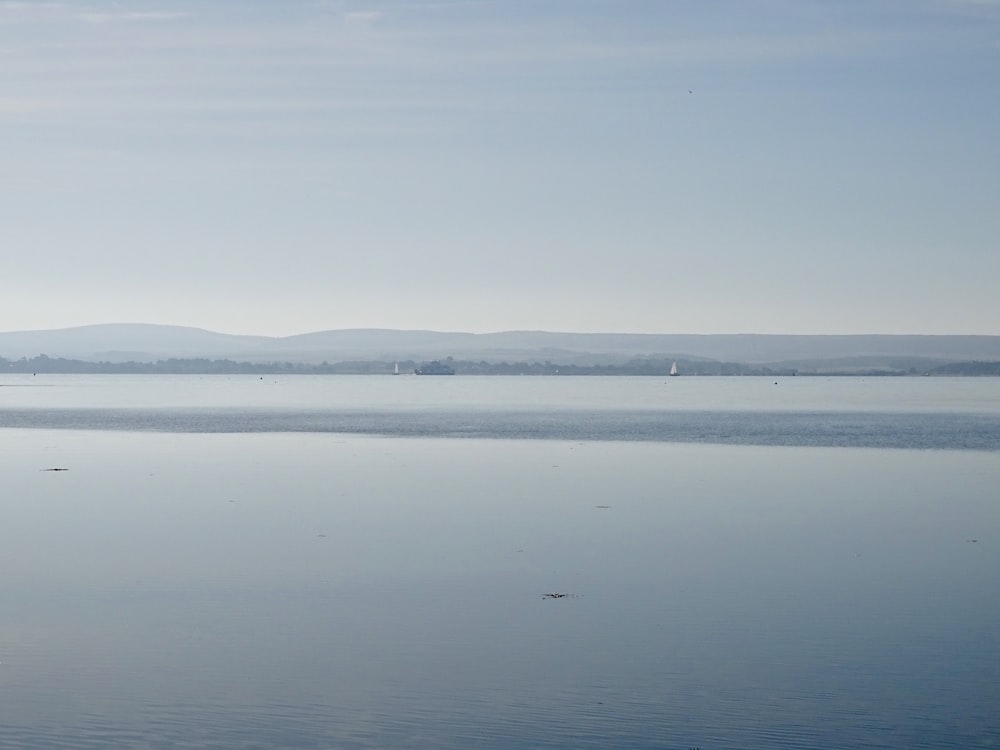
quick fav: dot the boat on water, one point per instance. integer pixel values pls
(673, 369)
(436, 367)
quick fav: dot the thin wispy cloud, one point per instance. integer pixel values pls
(364, 16)
(16, 107)
(14, 7)
(376, 37)
(127, 16)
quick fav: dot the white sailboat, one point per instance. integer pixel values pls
(673, 369)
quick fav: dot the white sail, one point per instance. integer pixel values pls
(673, 369)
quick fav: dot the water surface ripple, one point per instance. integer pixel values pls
(946, 431)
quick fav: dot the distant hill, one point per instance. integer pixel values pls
(149, 343)
(138, 342)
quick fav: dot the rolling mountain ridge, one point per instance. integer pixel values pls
(147, 343)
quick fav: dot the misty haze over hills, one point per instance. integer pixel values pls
(148, 343)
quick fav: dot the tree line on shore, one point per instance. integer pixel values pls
(641, 366)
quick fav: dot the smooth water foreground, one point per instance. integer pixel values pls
(194, 584)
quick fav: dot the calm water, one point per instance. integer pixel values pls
(362, 562)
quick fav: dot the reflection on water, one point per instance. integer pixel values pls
(322, 590)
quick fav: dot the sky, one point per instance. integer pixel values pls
(647, 166)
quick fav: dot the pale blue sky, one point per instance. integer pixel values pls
(297, 165)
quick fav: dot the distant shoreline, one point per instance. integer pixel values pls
(43, 364)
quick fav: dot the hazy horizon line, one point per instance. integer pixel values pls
(588, 332)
